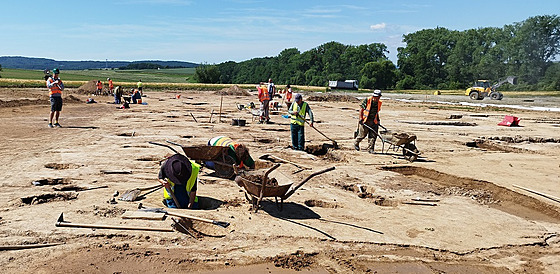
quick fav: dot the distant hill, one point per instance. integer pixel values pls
(19, 62)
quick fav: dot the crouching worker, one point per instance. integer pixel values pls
(239, 152)
(179, 177)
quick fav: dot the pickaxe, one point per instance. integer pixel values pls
(161, 210)
(61, 223)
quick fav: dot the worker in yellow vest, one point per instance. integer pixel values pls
(179, 176)
(298, 111)
(368, 124)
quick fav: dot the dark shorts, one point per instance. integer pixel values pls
(56, 103)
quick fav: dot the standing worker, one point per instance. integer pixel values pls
(298, 112)
(368, 125)
(271, 89)
(264, 98)
(110, 85)
(179, 177)
(288, 95)
(139, 85)
(99, 88)
(56, 87)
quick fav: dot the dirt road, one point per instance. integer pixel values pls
(455, 209)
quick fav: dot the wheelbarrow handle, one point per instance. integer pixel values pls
(163, 145)
(287, 195)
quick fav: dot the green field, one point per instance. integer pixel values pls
(180, 75)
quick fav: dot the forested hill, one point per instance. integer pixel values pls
(18, 62)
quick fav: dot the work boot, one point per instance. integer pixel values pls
(50, 125)
(371, 151)
(57, 125)
(357, 147)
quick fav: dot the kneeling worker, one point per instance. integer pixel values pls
(179, 177)
(239, 152)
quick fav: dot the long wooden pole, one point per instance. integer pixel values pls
(556, 199)
(221, 100)
(305, 181)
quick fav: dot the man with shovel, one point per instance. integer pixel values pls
(298, 111)
(368, 125)
(179, 177)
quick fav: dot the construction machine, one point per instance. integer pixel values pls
(483, 88)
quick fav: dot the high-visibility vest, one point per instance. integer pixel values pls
(289, 94)
(110, 84)
(99, 85)
(54, 88)
(223, 141)
(263, 94)
(190, 182)
(302, 111)
(376, 104)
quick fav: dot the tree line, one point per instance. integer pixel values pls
(432, 59)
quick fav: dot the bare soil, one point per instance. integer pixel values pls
(453, 210)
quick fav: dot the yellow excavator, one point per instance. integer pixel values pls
(483, 88)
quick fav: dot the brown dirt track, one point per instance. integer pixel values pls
(361, 217)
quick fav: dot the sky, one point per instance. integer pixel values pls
(215, 31)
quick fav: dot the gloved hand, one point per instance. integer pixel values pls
(360, 122)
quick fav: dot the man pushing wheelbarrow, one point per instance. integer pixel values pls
(368, 124)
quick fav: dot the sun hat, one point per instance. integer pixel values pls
(377, 93)
(177, 169)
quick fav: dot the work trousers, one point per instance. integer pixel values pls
(364, 132)
(265, 107)
(298, 136)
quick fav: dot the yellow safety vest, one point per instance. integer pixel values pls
(190, 182)
(302, 111)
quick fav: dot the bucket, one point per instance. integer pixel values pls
(241, 122)
(234, 122)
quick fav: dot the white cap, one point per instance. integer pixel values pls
(377, 93)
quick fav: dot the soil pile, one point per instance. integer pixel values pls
(233, 90)
(332, 98)
(87, 88)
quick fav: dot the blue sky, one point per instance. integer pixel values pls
(237, 30)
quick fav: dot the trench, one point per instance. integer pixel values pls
(489, 145)
(502, 198)
(48, 197)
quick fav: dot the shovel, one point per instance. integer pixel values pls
(161, 210)
(132, 194)
(62, 223)
(335, 144)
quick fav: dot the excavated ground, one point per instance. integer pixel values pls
(456, 209)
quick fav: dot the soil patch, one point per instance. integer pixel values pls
(489, 145)
(521, 139)
(332, 98)
(297, 261)
(60, 166)
(486, 193)
(319, 203)
(318, 150)
(53, 181)
(47, 198)
(106, 212)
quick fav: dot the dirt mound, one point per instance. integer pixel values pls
(332, 98)
(234, 90)
(296, 261)
(87, 88)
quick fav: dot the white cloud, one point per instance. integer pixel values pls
(378, 26)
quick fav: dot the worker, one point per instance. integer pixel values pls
(264, 98)
(288, 95)
(368, 125)
(110, 85)
(118, 95)
(239, 152)
(136, 97)
(271, 89)
(298, 112)
(179, 177)
(99, 86)
(55, 86)
(139, 86)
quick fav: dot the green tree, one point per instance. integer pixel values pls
(380, 75)
(207, 74)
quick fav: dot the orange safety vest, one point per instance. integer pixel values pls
(110, 84)
(99, 85)
(263, 94)
(289, 94)
(54, 88)
(367, 110)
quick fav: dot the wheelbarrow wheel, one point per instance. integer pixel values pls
(410, 156)
(225, 168)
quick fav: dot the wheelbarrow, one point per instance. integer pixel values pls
(255, 191)
(404, 141)
(223, 162)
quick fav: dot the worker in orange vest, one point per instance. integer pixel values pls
(264, 98)
(368, 124)
(99, 88)
(56, 87)
(110, 85)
